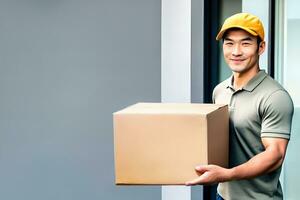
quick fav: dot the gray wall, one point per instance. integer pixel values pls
(65, 66)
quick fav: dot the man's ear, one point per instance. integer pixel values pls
(261, 47)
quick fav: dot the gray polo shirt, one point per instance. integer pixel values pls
(262, 108)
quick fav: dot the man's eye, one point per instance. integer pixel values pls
(229, 43)
(246, 44)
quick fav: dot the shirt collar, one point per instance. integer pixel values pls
(252, 84)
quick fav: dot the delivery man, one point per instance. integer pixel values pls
(260, 112)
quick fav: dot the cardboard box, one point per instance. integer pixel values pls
(161, 143)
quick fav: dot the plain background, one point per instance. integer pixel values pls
(65, 67)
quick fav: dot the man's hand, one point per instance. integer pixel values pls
(262, 163)
(210, 174)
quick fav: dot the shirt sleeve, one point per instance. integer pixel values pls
(213, 96)
(277, 116)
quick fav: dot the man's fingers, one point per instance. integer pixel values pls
(201, 169)
(204, 175)
(194, 182)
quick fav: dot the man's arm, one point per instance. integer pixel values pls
(263, 163)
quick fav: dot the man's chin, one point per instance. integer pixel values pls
(237, 69)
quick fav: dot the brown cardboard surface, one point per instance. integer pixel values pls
(161, 143)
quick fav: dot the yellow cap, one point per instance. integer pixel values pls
(245, 21)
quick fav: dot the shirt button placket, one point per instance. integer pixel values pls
(232, 101)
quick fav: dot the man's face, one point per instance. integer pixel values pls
(241, 51)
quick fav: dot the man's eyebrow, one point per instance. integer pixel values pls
(247, 39)
(244, 39)
(227, 39)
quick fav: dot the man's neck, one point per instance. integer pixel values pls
(241, 79)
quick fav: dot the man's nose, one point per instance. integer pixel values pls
(236, 51)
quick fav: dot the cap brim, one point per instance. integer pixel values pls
(221, 33)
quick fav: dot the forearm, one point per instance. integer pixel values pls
(262, 163)
(267, 161)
